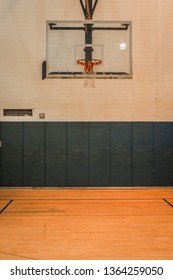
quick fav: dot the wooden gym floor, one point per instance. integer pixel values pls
(86, 224)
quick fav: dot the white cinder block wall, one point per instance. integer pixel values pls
(146, 97)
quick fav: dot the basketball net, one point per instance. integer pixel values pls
(89, 70)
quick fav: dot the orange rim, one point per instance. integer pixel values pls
(89, 65)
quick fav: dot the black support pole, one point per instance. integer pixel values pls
(83, 7)
(88, 41)
(88, 31)
(89, 9)
(95, 4)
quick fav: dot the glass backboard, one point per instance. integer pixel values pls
(71, 41)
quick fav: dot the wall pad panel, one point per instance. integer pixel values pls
(143, 154)
(121, 154)
(34, 156)
(55, 154)
(163, 155)
(12, 154)
(77, 154)
(99, 154)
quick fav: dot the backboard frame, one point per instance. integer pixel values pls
(52, 26)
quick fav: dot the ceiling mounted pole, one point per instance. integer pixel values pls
(95, 4)
(88, 8)
(83, 7)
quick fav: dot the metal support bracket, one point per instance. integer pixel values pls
(88, 8)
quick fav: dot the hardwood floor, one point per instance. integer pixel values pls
(86, 224)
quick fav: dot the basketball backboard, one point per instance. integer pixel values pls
(71, 41)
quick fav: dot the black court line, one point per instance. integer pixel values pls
(113, 199)
(5, 207)
(90, 199)
(170, 204)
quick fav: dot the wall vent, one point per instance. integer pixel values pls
(17, 112)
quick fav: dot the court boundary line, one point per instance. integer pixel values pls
(169, 203)
(5, 207)
(160, 200)
(90, 199)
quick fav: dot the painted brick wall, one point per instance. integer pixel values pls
(147, 97)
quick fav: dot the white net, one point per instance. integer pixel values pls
(89, 70)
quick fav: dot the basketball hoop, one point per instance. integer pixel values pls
(89, 70)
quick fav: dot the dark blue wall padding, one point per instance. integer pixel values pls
(33, 142)
(55, 154)
(12, 154)
(77, 154)
(121, 154)
(99, 153)
(163, 154)
(143, 152)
